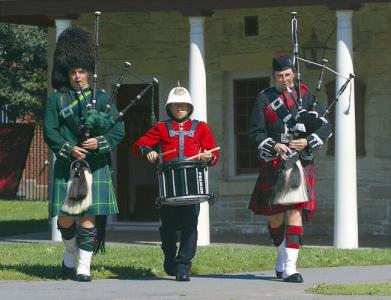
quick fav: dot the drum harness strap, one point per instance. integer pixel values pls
(181, 135)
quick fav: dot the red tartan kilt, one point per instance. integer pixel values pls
(261, 198)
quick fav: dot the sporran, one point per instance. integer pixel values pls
(79, 190)
(290, 187)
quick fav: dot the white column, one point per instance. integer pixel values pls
(197, 89)
(61, 25)
(345, 214)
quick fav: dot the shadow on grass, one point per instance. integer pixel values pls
(239, 276)
(18, 227)
(54, 272)
(121, 273)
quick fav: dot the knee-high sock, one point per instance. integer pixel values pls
(277, 235)
(71, 248)
(293, 237)
(86, 240)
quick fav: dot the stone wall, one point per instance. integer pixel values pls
(157, 45)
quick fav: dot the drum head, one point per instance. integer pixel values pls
(182, 164)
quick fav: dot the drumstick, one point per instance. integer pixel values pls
(167, 152)
(198, 155)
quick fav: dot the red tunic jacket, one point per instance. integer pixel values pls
(193, 143)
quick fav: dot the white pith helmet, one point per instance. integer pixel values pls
(179, 95)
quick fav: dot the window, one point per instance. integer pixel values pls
(251, 26)
(244, 93)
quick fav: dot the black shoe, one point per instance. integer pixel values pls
(67, 273)
(182, 276)
(182, 273)
(169, 267)
(295, 278)
(83, 278)
(278, 275)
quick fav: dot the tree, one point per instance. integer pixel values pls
(23, 65)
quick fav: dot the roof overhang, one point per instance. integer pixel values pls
(44, 12)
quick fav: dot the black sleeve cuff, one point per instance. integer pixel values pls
(65, 151)
(103, 145)
(314, 141)
(145, 150)
(266, 150)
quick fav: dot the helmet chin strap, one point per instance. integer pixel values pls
(180, 120)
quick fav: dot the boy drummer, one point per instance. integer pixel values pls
(187, 137)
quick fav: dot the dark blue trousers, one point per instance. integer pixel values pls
(184, 219)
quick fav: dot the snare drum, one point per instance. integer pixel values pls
(183, 183)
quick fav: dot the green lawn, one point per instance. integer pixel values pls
(22, 217)
(381, 289)
(41, 261)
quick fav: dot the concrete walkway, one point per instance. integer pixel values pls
(257, 285)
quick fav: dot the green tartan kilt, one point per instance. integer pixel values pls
(103, 196)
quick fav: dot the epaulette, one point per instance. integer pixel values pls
(99, 92)
(266, 90)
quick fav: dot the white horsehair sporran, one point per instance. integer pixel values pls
(290, 187)
(79, 190)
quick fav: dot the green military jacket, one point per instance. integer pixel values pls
(63, 118)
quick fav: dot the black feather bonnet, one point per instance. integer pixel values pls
(74, 49)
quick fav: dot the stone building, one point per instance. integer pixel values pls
(239, 44)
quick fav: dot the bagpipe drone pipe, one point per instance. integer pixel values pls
(100, 123)
(311, 119)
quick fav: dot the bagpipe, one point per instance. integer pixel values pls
(290, 186)
(310, 119)
(96, 123)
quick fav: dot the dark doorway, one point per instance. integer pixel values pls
(137, 187)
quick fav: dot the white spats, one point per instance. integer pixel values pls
(290, 263)
(71, 252)
(84, 263)
(281, 257)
